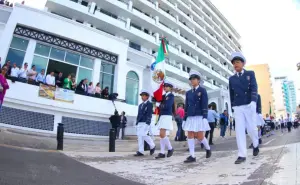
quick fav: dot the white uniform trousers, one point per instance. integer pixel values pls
(245, 118)
(142, 130)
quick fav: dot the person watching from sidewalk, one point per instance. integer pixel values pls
(212, 115)
(3, 85)
(223, 123)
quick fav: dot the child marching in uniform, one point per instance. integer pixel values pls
(243, 96)
(195, 120)
(143, 122)
(165, 122)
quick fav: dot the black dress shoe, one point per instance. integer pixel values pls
(251, 146)
(160, 155)
(170, 152)
(260, 141)
(190, 159)
(255, 151)
(208, 153)
(138, 154)
(152, 151)
(211, 144)
(240, 160)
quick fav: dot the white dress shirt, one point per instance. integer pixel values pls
(23, 73)
(15, 72)
(31, 74)
(50, 80)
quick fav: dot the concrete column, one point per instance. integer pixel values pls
(179, 48)
(190, 7)
(150, 32)
(96, 71)
(130, 5)
(30, 52)
(195, 43)
(193, 29)
(92, 7)
(177, 18)
(206, 39)
(204, 27)
(191, 16)
(217, 48)
(156, 20)
(128, 21)
(208, 52)
(157, 37)
(57, 119)
(157, 5)
(180, 67)
(178, 31)
(218, 59)
(176, 6)
(197, 58)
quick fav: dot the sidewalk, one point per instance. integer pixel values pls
(34, 140)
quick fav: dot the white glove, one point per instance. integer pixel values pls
(157, 104)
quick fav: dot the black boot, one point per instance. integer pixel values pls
(190, 159)
(160, 155)
(138, 154)
(251, 146)
(255, 151)
(240, 160)
(152, 151)
(170, 152)
(208, 153)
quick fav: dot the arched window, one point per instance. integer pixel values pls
(132, 88)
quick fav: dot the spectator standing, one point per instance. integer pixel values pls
(223, 123)
(105, 93)
(31, 74)
(115, 121)
(14, 73)
(98, 90)
(74, 85)
(122, 125)
(82, 87)
(50, 79)
(67, 82)
(59, 80)
(40, 77)
(178, 118)
(91, 89)
(3, 85)
(8, 65)
(211, 117)
(23, 73)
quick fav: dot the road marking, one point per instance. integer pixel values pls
(268, 142)
(25, 148)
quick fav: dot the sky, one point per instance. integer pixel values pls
(269, 29)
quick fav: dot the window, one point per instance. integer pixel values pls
(87, 62)
(57, 54)
(72, 58)
(17, 50)
(135, 46)
(132, 88)
(84, 73)
(107, 76)
(40, 63)
(43, 50)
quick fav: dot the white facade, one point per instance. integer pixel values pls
(202, 41)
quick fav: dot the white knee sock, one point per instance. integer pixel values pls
(205, 143)
(168, 143)
(191, 143)
(162, 145)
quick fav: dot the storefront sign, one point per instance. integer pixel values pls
(58, 94)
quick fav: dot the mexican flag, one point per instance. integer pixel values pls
(158, 72)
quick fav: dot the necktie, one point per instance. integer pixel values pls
(240, 74)
(194, 89)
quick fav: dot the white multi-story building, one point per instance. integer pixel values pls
(112, 42)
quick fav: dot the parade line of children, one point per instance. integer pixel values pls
(246, 107)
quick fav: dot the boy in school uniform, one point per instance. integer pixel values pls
(143, 122)
(243, 96)
(165, 123)
(195, 120)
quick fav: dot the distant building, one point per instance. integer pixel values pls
(264, 82)
(285, 96)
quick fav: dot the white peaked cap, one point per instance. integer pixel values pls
(168, 82)
(237, 55)
(193, 72)
(145, 91)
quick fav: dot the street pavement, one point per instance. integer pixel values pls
(32, 160)
(277, 164)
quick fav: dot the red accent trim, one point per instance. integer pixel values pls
(164, 45)
(158, 94)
